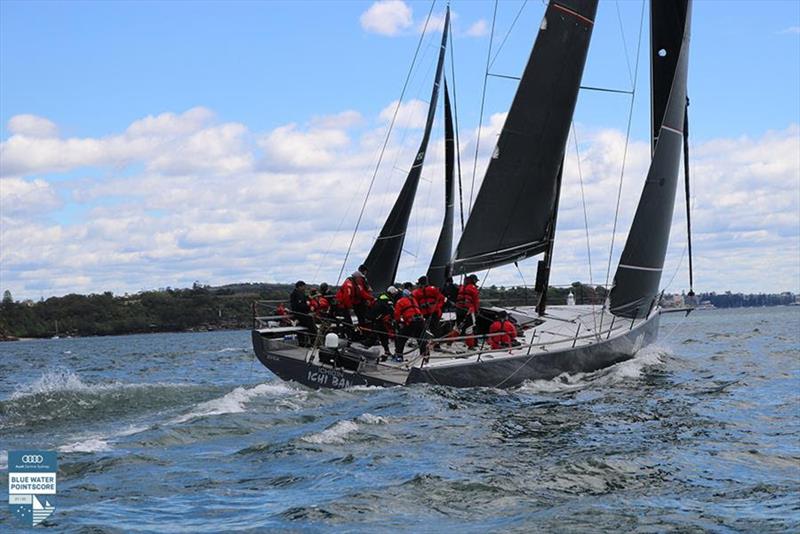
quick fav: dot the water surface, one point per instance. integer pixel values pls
(187, 433)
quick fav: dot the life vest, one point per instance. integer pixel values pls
(345, 297)
(468, 298)
(361, 290)
(430, 300)
(504, 339)
(406, 310)
(319, 305)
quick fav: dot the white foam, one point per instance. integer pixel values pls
(64, 380)
(89, 445)
(370, 419)
(3, 459)
(235, 401)
(627, 370)
(333, 434)
(99, 442)
(233, 349)
(51, 381)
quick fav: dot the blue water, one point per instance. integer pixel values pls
(186, 433)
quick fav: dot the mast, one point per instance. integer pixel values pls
(440, 266)
(688, 196)
(636, 282)
(384, 257)
(543, 270)
(511, 218)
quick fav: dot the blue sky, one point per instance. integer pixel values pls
(149, 144)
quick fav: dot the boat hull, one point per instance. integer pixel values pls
(489, 371)
(509, 372)
(291, 366)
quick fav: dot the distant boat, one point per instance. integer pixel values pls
(514, 218)
(56, 336)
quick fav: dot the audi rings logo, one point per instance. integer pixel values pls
(32, 459)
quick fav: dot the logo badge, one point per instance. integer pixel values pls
(32, 485)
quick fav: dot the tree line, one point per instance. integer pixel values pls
(230, 307)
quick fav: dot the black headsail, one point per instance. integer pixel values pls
(639, 272)
(440, 266)
(384, 257)
(514, 206)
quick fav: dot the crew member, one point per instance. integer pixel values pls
(380, 315)
(468, 303)
(503, 332)
(319, 304)
(430, 301)
(298, 303)
(409, 318)
(450, 292)
(355, 296)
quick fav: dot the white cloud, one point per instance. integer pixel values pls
(21, 198)
(478, 29)
(32, 126)
(173, 143)
(207, 204)
(286, 146)
(411, 114)
(791, 29)
(387, 17)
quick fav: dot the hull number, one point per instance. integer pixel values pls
(326, 378)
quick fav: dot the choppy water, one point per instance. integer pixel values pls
(184, 432)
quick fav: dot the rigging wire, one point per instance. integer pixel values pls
(624, 155)
(585, 219)
(624, 43)
(385, 143)
(483, 102)
(455, 128)
(510, 28)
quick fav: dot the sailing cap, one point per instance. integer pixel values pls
(472, 277)
(391, 290)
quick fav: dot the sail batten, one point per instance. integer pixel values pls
(513, 209)
(636, 282)
(384, 257)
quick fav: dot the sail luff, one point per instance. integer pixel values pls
(636, 282)
(440, 266)
(513, 209)
(384, 257)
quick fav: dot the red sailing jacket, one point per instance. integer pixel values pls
(430, 300)
(362, 292)
(406, 310)
(468, 298)
(319, 305)
(345, 295)
(502, 340)
(353, 292)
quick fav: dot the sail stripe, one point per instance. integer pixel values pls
(573, 13)
(671, 129)
(495, 252)
(640, 268)
(389, 236)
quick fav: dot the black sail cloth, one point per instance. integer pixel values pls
(514, 206)
(636, 282)
(384, 257)
(440, 266)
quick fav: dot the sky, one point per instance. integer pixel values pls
(146, 145)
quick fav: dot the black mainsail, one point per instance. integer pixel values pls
(384, 256)
(513, 210)
(440, 266)
(638, 275)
